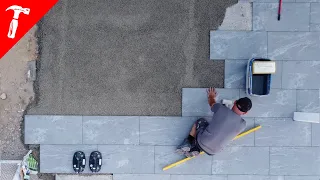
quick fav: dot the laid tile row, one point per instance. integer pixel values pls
(159, 131)
(295, 16)
(208, 177)
(273, 45)
(130, 159)
(289, 74)
(279, 103)
(302, 16)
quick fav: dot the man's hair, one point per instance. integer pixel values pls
(244, 104)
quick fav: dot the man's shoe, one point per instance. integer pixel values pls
(192, 154)
(185, 146)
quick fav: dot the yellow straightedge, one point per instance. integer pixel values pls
(187, 159)
(264, 67)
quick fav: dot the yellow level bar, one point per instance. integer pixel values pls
(187, 159)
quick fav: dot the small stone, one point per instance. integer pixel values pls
(3, 96)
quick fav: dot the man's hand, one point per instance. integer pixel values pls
(211, 96)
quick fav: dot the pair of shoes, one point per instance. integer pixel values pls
(79, 161)
(185, 146)
(201, 124)
(192, 154)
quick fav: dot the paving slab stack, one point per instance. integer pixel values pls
(138, 147)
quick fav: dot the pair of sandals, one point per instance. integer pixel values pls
(79, 161)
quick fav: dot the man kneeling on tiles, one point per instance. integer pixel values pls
(212, 136)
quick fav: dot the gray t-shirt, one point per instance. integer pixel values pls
(225, 125)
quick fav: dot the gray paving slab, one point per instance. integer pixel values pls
(293, 45)
(279, 103)
(314, 17)
(165, 155)
(127, 159)
(82, 177)
(295, 161)
(315, 134)
(276, 79)
(314, 27)
(235, 73)
(247, 140)
(48, 129)
(315, 13)
(242, 160)
(110, 129)
(308, 1)
(254, 177)
(237, 44)
(306, 117)
(308, 101)
(58, 158)
(302, 177)
(141, 177)
(195, 100)
(295, 17)
(198, 177)
(301, 74)
(282, 132)
(164, 130)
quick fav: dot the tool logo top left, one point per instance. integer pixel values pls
(14, 23)
(18, 17)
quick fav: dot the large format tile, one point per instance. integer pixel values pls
(53, 129)
(254, 177)
(247, 140)
(314, 27)
(235, 73)
(314, 17)
(195, 100)
(164, 130)
(293, 45)
(301, 74)
(315, 134)
(295, 161)
(58, 158)
(279, 103)
(111, 129)
(79, 177)
(308, 101)
(127, 159)
(141, 177)
(307, 0)
(282, 132)
(302, 177)
(315, 13)
(295, 17)
(198, 177)
(237, 44)
(165, 155)
(242, 160)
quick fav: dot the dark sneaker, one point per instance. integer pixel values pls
(201, 123)
(185, 146)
